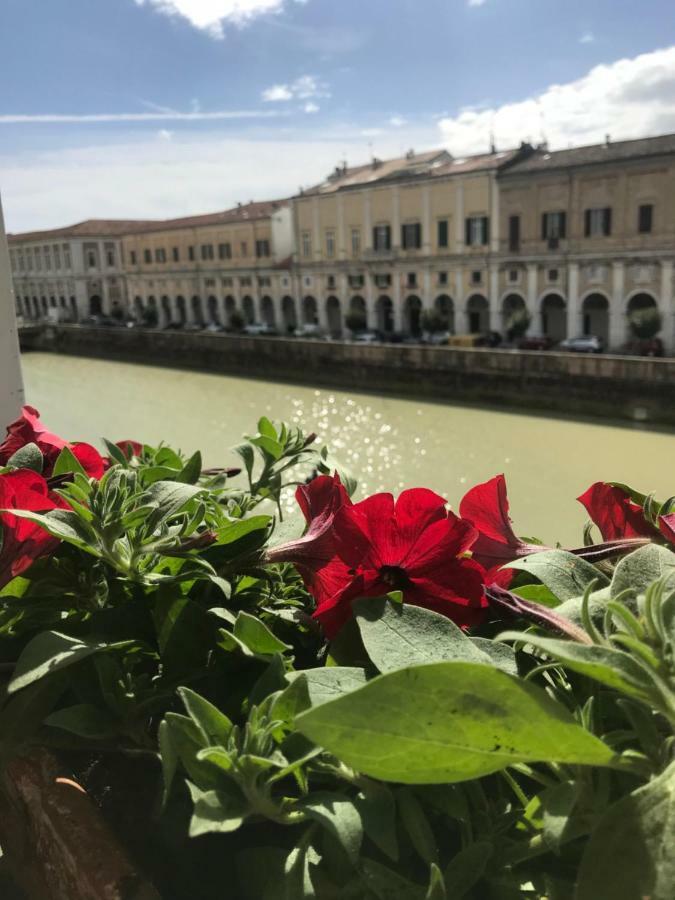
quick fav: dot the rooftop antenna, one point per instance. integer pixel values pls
(493, 145)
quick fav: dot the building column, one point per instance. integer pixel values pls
(341, 239)
(371, 318)
(395, 218)
(427, 298)
(397, 302)
(427, 238)
(321, 312)
(317, 249)
(494, 213)
(667, 306)
(531, 299)
(461, 317)
(495, 312)
(617, 313)
(367, 242)
(459, 217)
(573, 312)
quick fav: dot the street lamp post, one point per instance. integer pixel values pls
(11, 380)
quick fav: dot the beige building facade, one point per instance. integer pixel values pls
(578, 237)
(67, 274)
(200, 270)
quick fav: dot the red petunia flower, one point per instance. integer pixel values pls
(486, 507)
(22, 540)
(667, 527)
(28, 429)
(615, 513)
(130, 448)
(414, 545)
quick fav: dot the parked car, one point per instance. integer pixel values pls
(366, 337)
(585, 343)
(215, 327)
(260, 329)
(309, 330)
(437, 338)
(488, 339)
(173, 326)
(99, 321)
(194, 326)
(535, 342)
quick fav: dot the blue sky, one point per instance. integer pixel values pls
(152, 108)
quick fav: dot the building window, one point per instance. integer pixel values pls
(224, 251)
(245, 281)
(132, 257)
(264, 281)
(553, 274)
(412, 279)
(91, 259)
(66, 256)
(442, 232)
(330, 244)
(48, 259)
(514, 233)
(382, 237)
(553, 227)
(147, 256)
(207, 251)
(110, 258)
(330, 281)
(356, 241)
(442, 277)
(191, 253)
(383, 281)
(227, 282)
(514, 275)
(598, 222)
(243, 248)
(38, 260)
(175, 253)
(262, 249)
(477, 231)
(57, 258)
(645, 218)
(476, 277)
(411, 236)
(356, 281)
(29, 260)
(160, 255)
(306, 244)
(308, 280)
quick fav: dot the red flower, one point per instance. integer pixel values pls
(615, 514)
(414, 545)
(28, 429)
(319, 501)
(22, 540)
(130, 448)
(486, 507)
(667, 527)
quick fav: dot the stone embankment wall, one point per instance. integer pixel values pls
(590, 385)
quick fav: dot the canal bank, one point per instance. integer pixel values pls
(617, 387)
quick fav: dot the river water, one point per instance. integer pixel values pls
(388, 443)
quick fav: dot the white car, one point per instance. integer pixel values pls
(366, 337)
(310, 330)
(585, 343)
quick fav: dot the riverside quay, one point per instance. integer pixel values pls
(579, 239)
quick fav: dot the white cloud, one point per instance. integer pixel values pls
(477, 2)
(398, 121)
(209, 15)
(277, 92)
(306, 87)
(311, 107)
(169, 116)
(587, 38)
(164, 134)
(628, 98)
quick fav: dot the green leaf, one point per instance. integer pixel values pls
(48, 652)
(466, 868)
(614, 668)
(396, 636)
(213, 724)
(27, 457)
(172, 496)
(245, 451)
(66, 463)
(265, 427)
(234, 531)
(269, 446)
(192, 469)
(168, 756)
(563, 573)
(557, 804)
(501, 655)
(630, 852)
(538, 593)
(214, 812)
(330, 682)
(642, 567)
(85, 720)
(448, 722)
(115, 453)
(378, 813)
(65, 525)
(255, 635)
(414, 820)
(388, 885)
(436, 889)
(339, 815)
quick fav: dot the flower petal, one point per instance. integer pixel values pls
(615, 514)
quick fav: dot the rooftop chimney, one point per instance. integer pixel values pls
(608, 140)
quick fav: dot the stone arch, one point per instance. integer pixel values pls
(52, 302)
(139, 309)
(165, 307)
(478, 314)
(267, 312)
(73, 309)
(95, 305)
(213, 313)
(230, 309)
(357, 304)
(640, 300)
(445, 306)
(310, 311)
(181, 310)
(289, 314)
(511, 304)
(151, 313)
(595, 315)
(384, 309)
(553, 317)
(413, 314)
(248, 309)
(334, 316)
(197, 310)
